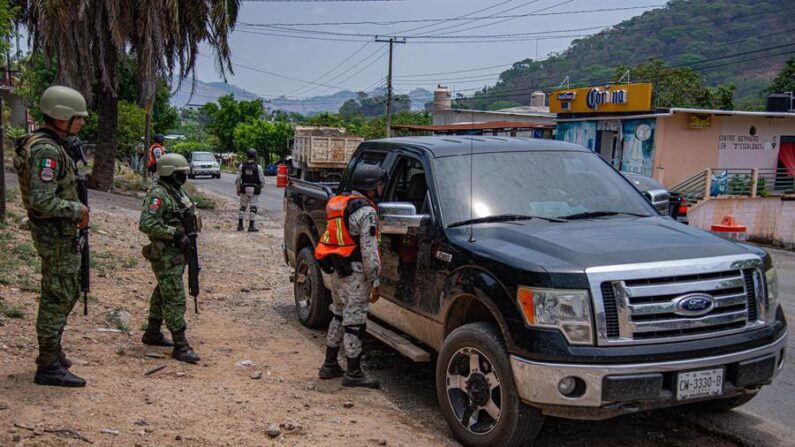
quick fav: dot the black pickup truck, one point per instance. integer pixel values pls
(548, 285)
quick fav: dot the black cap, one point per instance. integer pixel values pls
(367, 177)
(159, 138)
(251, 152)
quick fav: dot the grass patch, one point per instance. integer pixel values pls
(11, 311)
(202, 202)
(115, 321)
(126, 179)
(130, 262)
(103, 263)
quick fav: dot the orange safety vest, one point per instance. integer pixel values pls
(153, 157)
(336, 240)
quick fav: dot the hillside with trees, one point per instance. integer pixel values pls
(739, 42)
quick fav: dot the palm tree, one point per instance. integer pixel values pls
(89, 38)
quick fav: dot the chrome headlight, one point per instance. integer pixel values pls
(771, 279)
(569, 311)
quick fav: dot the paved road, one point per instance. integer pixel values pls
(270, 201)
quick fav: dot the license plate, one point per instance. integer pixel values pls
(695, 384)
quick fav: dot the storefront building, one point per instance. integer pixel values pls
(671, 145)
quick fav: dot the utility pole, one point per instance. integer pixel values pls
(392, 41)
(2, 165)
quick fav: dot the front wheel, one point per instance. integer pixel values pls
(476, 391)
(312, 299)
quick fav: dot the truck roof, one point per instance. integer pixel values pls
(451, 145)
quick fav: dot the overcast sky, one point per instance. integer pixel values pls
(258, 49)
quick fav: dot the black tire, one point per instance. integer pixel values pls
(517, 424)
(722, 405)
(312, 299)
(191, 176)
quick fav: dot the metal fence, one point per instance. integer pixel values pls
(737, 182)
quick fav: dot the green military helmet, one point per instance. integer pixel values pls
(171, 163)
(62, 103)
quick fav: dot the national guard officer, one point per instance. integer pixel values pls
(48, 185)
(249, 181)
(168, 243)
(348, 254)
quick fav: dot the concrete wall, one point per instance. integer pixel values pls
(454, 116)
(681, 152)
(769, 219)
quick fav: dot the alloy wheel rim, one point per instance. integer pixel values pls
(303, 289)
(474, 391)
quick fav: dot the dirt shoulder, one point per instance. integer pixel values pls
(243, 329)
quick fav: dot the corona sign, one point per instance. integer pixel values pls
(608, 99)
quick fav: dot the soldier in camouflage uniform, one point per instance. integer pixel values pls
(48, 185)
(168, 241)
(349, 250)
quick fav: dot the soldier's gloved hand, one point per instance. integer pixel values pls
(374, 294)
(84, 218)
(181, 241)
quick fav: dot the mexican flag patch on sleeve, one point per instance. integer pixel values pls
(154, 205)
(47, 171)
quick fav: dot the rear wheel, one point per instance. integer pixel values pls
(476, 391)
(722, 405)
(312, 299)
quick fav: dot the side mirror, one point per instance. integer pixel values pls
(397, 218)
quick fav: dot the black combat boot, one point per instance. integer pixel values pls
(56, 375)
(251, 227)
(62, 359)
(153, 336)
(331, 367)
(240, 225)
(182, 350)
(356, 377)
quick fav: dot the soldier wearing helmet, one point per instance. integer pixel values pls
(167, 242)
(48, 185)
(156, 150)
(348, 254)
(248, 183)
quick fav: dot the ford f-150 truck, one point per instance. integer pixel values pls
(548, 285)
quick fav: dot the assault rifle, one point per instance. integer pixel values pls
(74, 147)
(188, 218)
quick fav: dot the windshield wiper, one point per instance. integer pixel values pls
(592, 214)
(503, 218)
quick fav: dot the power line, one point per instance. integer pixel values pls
(332, 69)
(465, 15)
(459, 25)
(393, 22)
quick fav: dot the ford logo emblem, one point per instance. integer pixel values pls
(694, 304)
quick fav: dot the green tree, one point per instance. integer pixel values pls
(131, 126)
(224, 117)
(678, 86)
(90, 39)
(267, 138)
(325, 119)
(785, 80)
(8, 14)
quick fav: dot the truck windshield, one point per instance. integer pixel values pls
(545, 184)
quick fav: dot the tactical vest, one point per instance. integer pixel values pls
(155, 152)
(249, 174)
(175, 201)
(66, 182)
(337, 240)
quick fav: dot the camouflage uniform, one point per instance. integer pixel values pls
(48, 185)
(160, 221)
(351, 294)
(249, 198)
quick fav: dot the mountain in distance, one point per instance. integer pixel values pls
(205, 92)
(741, 41)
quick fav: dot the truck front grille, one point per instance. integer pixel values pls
(683, 305)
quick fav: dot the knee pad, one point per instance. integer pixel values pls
(337, 317)
(356, 330)
(243, 209)
(253, 209)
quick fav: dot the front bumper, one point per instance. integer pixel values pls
(205, 171)
(615, 389)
